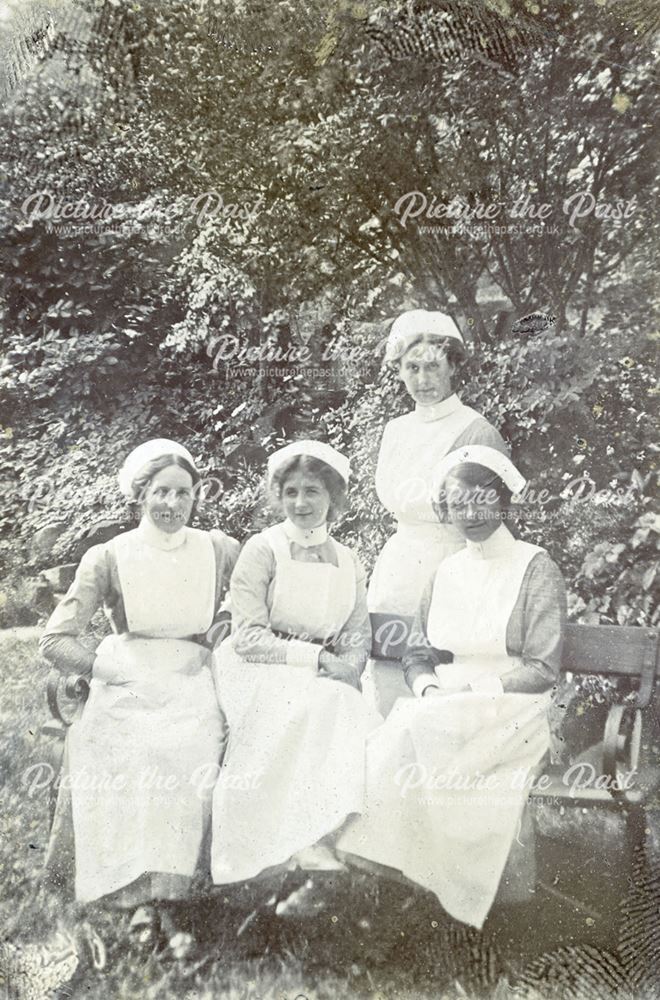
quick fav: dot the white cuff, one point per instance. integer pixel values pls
(421, 683)
(302, 654)
(487, 684)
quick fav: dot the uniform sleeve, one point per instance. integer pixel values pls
(252, 636)
(226, 553)
(421, 658)
(383, 475)
(480, 431)
(60, 644)
(536, 628)
(353, 643)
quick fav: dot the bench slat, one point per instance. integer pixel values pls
(611, 650)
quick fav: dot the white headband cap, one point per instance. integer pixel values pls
(145, 453)
(481, 454)
(416, 323)
(312, 449)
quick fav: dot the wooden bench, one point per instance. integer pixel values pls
(632, 654)
(610, 651)
(605, 650)
(616, 782)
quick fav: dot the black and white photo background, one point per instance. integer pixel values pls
(212, 213)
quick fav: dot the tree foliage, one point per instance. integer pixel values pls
(242, 173)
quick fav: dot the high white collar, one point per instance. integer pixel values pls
(437, 410)
(151, 535)
(497, 545)
(307, 537)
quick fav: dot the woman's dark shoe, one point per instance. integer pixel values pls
(177, 942)
(92, 947)
(307, 901)
(144, 928)
(319, 857)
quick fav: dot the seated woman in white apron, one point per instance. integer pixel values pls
(152, 724)
(288, 679)
(448, 773)
(426, 348)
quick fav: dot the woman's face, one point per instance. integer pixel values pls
(475, 510)
(426, 373)
(305, 500)
(168, 499)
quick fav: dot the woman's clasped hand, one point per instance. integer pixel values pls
(338, 669)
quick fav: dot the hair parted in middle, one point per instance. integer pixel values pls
(141, 482)
(452, 348)
(474, 478)
(330, 478)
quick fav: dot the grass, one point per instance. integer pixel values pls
(374, 939)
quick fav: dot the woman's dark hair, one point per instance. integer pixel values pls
(330, 478)
(473, 477)
(454, 350)
(151, 469)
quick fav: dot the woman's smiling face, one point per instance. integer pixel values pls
(305, 500)
(427, 372)
(168, 499)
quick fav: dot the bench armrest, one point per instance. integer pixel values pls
(75, 687)
(621, 743)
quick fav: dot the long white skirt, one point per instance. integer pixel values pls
(406, 563)
(138, 757)
(295, 763)
(445, 793)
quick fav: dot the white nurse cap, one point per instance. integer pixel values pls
(313, 449)
(416, 323)
(145, 453)
(480, 454)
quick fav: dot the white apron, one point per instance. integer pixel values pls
(294, 767)
(446, 776)
(410, 453)
(150, 723)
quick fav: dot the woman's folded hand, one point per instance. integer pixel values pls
(443, 692)
(336, 669)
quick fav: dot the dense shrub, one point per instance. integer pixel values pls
(109, 334)
(577, 427)
(575, 413)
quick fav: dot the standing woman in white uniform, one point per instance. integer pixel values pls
(288, 679)
(152, 721)
(426, 348)
(448, 772)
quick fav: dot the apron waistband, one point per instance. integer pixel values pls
(325, 643)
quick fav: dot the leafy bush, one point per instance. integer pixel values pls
(109, 334)
(575, 415)
(618, 583)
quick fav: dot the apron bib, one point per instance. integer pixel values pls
(294, 768)
(420, 542)
(167, 593)
(311, 598)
